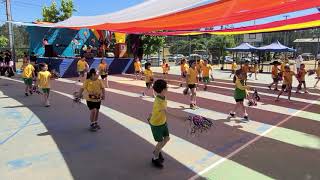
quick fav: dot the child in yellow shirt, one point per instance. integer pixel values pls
(275, 77)
(287, 81)
(183, 69)
(137, 68)
(192, 80)
(148, 78)
(301, 76)
(318, 74)
(206, 69)
(27, 75)
(103, 71)
(158, 121)
(95, 93)
(165, 69)
(82, 68)
(240, 93)
(43, 82)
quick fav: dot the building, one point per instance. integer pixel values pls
(307, 45)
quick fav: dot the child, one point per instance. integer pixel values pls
(254, 70)
(148, 78)
(301, 76)
(287, 81)
(206, 74)
(234, 67)
(27, 75)
(82, 68)
(103, 71)
(318, 74)
(94, 89)
(137, 68)
(240, 93)
(158, 121)
(199, 66)
(245, 69)
(192, 81)
(165, 69)
(184, 70)
(275, 76)
(43, 83)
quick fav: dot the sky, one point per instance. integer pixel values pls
(28, 11)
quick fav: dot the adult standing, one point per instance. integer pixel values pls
(299, 61)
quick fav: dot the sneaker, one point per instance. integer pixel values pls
(232, 115)
(269, 87)
(306, 92)
(205, 88)
(161, 157)
(26, 94)
(246, 119)
(180, 85)
(97, 126)
(157, 163)
(276, 89)
(93, 128)
(143, 94)
(30, 92)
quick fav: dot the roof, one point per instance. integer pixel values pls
(307, 40)
(244, 47)
(276, 47)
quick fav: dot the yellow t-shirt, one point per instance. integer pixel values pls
(184, 68)
(44, 79)
(302, 75)
(192, 76)
(274, 72)
(82, 65)
(206, 70)
(102, 69)
(234, 66)
(287, 77)
(137, 66)
(28, 71)
(282, 68)
(165, 68)
(94, 88)
(148, 75)
(158, 117)
(318, 71)
(199, 65)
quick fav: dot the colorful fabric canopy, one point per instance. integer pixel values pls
(156, 15)
(303, 22)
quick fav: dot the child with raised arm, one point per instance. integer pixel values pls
(287, 81)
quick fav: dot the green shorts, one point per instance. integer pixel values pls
(27, 81)
(46, 90)
(160, 132)
(206, 79)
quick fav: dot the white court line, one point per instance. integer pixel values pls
(281, 134)
(229, 99)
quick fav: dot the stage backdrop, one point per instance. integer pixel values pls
(67, 67)
(64, 41)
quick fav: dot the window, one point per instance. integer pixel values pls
(252, 36)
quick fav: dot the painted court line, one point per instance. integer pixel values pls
(229, 99)
(285, 135)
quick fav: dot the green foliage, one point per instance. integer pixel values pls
(152, 44)
(55, 14)
(21, 36)
(3, 41)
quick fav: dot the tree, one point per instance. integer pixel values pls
(152, 44)
(218, 44)
(54, 14)
(3, 41)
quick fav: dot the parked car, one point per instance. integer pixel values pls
(307, 56)
(318, 57)
(228, 59)
(194, 57)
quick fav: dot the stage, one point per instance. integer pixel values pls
(67, 67)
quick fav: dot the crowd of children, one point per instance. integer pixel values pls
(200, 70)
